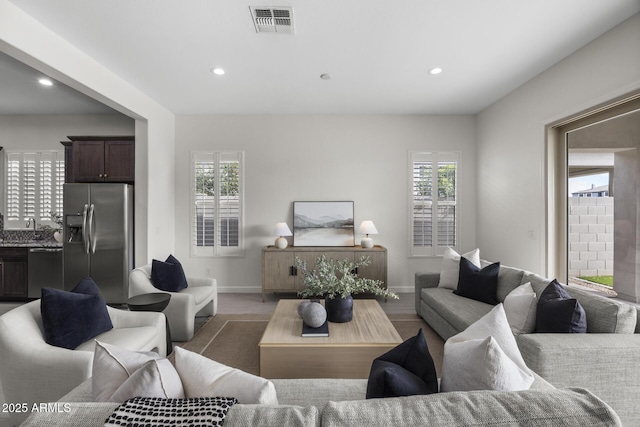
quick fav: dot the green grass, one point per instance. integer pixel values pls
(603, 280)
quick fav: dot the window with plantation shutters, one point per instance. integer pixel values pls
(34, 185)
(433, 185)
(216, 196)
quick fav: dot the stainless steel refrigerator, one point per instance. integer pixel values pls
(98, 237)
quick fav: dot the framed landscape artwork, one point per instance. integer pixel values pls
(323, 224)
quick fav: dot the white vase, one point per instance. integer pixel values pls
(58, 236)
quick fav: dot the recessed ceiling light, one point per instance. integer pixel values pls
(325, 76)
(435, 71)
(45, 82)
(217, 71)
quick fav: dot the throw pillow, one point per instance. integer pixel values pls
(557, 312)
(119, 374)
(450, 268)
(406, 370)
(478, 284)
(485, 356)
(168, 275)
(70, 318)
(520, 306)
(204, 377)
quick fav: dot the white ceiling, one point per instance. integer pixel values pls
(378, 53)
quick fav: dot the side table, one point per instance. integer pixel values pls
(157, 302)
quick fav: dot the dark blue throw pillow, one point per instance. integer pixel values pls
(70, 318)
(168, 275)
(478, 284)
(406, 370)
(557, 312)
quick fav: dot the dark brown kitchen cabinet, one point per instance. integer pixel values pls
(13, 274)
(100, 159)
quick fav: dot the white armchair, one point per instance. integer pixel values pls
(32, 371)
(199, 298)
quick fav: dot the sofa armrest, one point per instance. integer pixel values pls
(425, 280)
(606, 364)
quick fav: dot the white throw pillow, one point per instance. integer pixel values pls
(520, 307)
(115, 367)
(485, 356)
(204, 377)
(450, 269)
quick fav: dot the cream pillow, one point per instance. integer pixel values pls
(204, 377)
(520, 307)
(485, 356)
(450, 269)
(119, 374)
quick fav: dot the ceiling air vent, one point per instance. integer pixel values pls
(272, 19)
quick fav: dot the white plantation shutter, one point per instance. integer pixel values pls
(217, 196)
(34, 187)
(433, 207)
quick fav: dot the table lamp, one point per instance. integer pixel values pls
(366, 228)
(281, 230)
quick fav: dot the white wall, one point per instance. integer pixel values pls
(292, 158)
(511, 141)
(27, 40)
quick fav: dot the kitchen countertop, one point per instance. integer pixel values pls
(31, 244)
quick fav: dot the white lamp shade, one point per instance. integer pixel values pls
(367, 227)
(282, 229)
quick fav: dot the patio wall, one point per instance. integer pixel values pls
(590, 236)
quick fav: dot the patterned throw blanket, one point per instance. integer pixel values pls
(158, 412)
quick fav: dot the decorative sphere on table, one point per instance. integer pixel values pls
(314, 315)
(302, 306)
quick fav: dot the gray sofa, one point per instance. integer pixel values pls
(605, 360)
(341, 402)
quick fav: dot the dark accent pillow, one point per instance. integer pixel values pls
(557, 312)
(478, 284)
(70, 318)
(406, 370)
(168, 275)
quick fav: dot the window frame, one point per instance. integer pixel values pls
(435, 157)
(217, 249)
(57, 176)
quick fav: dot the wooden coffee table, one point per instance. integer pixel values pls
(347, 352)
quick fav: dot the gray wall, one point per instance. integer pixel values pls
(291, 158)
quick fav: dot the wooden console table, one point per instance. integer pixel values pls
(279, 272)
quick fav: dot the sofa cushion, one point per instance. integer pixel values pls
(459, 312)
(203, 377)
(509, 278)
(70, 318)
(119, 374)
(485, 356)
(520, 306)
(168, 275)
(405, 370)
(277, 415)
(557, 312)
(450, 269)
(476, 283)
(569, 407)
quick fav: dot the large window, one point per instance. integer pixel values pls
(434, 202)
(34, 183)
(216, 208)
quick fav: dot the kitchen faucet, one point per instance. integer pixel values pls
(29, 223)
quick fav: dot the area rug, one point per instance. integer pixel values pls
(233, 339)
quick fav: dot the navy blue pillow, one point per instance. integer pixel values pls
(406, 370)
(168, 275)
(478, 284)
(70, 318)
(557, 312)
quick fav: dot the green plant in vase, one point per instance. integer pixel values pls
(337, 281)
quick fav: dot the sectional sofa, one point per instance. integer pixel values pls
(341, 402)
(605, 360)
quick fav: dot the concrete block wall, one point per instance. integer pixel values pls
(590, 236)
